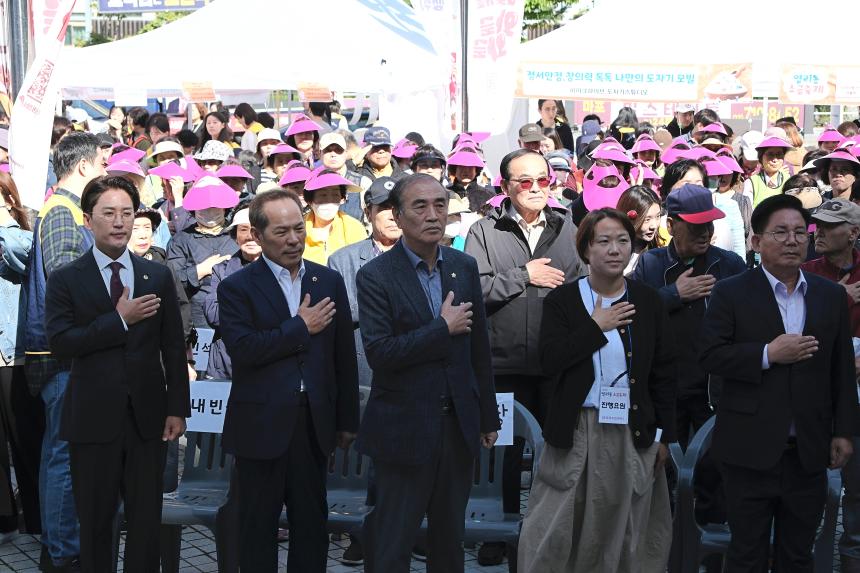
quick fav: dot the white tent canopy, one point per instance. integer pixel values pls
(252, 46)
(765, 34)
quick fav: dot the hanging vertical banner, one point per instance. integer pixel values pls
(42, 16)
(5, 65)
(33, 112)
(441, 21)
(494, 31)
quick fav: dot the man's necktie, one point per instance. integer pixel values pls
(115, 282)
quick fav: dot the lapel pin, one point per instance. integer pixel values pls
(314, 279)
(146, 277)
(453, 275)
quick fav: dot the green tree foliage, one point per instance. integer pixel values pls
(162, 18)
(545, 12)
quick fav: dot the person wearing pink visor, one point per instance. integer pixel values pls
(334, 157)
(772, 174)
(840, 169)
(829, 140)
(304, 135)
(647, 150)
(204, 243)
(328, 228)
(267, 140)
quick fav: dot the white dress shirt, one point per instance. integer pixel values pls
(292, 289)
(792, 307)
(611, 358)
(126, 273)
(532, 231)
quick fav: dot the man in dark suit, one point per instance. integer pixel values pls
(128, 388)
(295, 387)
(432, 402)
(780, 339)
(347, 260)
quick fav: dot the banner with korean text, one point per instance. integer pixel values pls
(494, 31)
(441, 21)
(819, 84)
(33, 112)
(632, 82)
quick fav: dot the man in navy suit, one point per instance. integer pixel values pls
(432, 403)
(295, 387)
(780, 339)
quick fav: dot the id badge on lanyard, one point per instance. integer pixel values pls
(614, 403)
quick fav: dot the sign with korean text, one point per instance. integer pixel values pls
(813, 84)
(314, 92)
(202, 348)
(505, 403)
(208, 406)
(752, 111)
(495, 27)
(631, 82)
(120, 6)
(198, 92)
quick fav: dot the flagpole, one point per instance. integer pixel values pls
(18, 44)
(464, 35)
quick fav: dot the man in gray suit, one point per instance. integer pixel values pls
(347, 260)
(432, 403)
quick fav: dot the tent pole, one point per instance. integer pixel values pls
(464, 48)
(18, 17)
(764, 115)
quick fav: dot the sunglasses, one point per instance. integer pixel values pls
(526, 183)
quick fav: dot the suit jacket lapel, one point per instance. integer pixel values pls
(770, 308)
(813, 312)
(310, 285)
(449, 278)
(142, 282)
(267, 284)
(408, 281)
(91, 278)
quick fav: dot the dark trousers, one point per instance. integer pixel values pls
(405, 493)
(533, 392)
(23, 420)
(690, 411)
(129, 466)
(786, 497)
(297, 478)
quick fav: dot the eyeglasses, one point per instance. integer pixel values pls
(782, 236)
(526, 183)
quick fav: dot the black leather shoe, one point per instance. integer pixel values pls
(491, 554)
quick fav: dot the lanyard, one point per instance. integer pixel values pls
(627, 360)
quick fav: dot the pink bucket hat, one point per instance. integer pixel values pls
(596, 197)
(210, 192)
(283, 148)
(233, 170)
(302, 124)
(611, 153)
(321, 179)
(773, 142)
(296, 174)
(130, 154)
(645, 143)
(672, 154)
(715, 167)
(171, 169)
(404, 149)
(466, 159)
(126, 167)
(647, 172)
(730, 162)
(830, 135)
(714, 128)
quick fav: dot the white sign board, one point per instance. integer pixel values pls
(505, 402)
(208, 406)
(201, 349)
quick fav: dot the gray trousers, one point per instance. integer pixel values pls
(405, 493)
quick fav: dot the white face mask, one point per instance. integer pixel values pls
(325, 211)
(452, 229)
(209, 218)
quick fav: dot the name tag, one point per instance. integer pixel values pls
(614, 405)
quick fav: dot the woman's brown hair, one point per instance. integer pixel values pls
(10, 195)
(585, 232)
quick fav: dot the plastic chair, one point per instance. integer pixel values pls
(700, 541)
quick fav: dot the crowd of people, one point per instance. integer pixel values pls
(626, 284)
